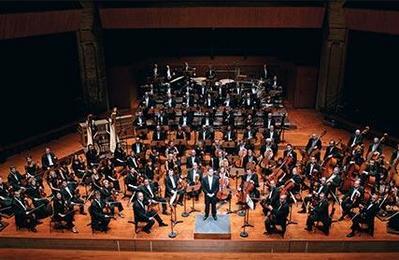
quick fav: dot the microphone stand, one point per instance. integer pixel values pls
(173, 221)
(185, 213)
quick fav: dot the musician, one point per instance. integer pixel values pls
(248, 101)
(138, 147)
(186, 119)
(158, 134)
(356, 139)
(229, 135)
(269, 121)
(238, 89)
(161, 118)
(351, 199)
(92, 158)
(133, 161)
(155, 72)
(228, 117)
(228, 102)
(140, 121)
(70, 194)
(31, 168)
(48, 159)
(319, 213)
(5, 198)
(273, 134)
(99, 219)
(63, 212)
(272, 198)
(395, 156)
(170, 102)
(15, 179)
(366, 215)
(147, 101)
(249, 133)
(210, 186)
(39, 200)
(143, 214)
(252, 177)
(172, 186)
(206, 134)
(265, 72)
(249, 158)
(314, 143)
(207, 120)
(278, 216)
(332, 151)
(24, 216)
(334, 181)
(210, 73)
(289, 152)
(312, 171)
(375, 147)
(131, 180)
(215, 160)
(194, 176)
(192, 159)
(119, 156)
(315, 194)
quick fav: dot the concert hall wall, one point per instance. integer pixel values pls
(371, 77)
(40, 85)
(130, 53)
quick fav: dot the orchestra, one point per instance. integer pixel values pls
(189, 151)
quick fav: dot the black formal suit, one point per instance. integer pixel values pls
(138, 148)
(204, 119)
(278, 216)
(158, 136)
(269, 122)
(132, 162)
(293, 155)
(210, 191)
(190, 160)
(232, 136)
(161, 119)
(191, 179)
(310, 142)
(271, 199)
(170, 103)
(46, 163)
(21, 218)
(150, 193)
(139, 122)
(366, 215)
(189, 120)
(249, 134)
(209, 102)
(189, 102)
(148, 103)
(92, 158)
(378, 149)
(312, 170)
(99, 220)
(331, 151)
(319, 213)
(355, 140)
(14, 180)
(351, 199)
(170, 189)
(275, 135)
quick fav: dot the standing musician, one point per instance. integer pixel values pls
(277, 216)
(319, 213)
(366, 215)
(314, 143)
(210, 186)
(99, 217)
(24, 215)
(375, 147)
(48, 159)
(356, 139)
(64, 212)
(271, 199)
(194, 176)
(143, 214)
(150, 192)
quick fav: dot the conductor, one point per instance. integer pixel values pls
(210, 186)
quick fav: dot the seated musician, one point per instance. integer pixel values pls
(312, 171)
(269, 121)
(149, 170)
(193, 158)
(150, 192)
(248, 101)
(99, 219)
(5, 198)
(108, 195)
(138, 147)
(273, 134)
(15, 179)
(131, 180)
(140, 121)
(277, 215)
(314, 143)
(194, 176)
(32, 169)
(147, 101)
(25, 216)
(78, 166)
(332, 151)
(216, 160)
(229, 135)
(39, 200)
(143, 214)
(334, 181)
(270, 147)
(133, 161)
(188, 100)
(249, 121)
(289, 152)
(207, 120)
(375, 147)
(351, 199)
(48, 159)
(70, 194)
(119, 156)
(252, 177)
(158, 134)
(170, 102)
(249, 158)
(395, 158)
(171, 149)
(249, 133)
(210, 73)
(172, 186)
(319, 212)
(366, 216)
(63, 212)
(272, 198)
(228, 102)
(321, 187)
(202, 91)
(161, 118)
(92, 158)
(209, 101)
(186, 119)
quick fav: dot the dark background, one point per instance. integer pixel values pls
(371, 76)
(40, 84)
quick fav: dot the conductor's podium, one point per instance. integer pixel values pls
(211, 229)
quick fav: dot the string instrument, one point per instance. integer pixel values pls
(373, 155)
(362, 134)
(267, 156)
(240, 160)
(311, 151)
(350, 176)
(246, 189)
(224, 190)
(329, 164)
(279, 171)
(288, 186)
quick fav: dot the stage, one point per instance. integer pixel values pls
(121, 236)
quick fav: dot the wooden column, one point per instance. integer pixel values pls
(91, 55)
(333, 54)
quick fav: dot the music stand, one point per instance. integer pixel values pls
(173, 216)
(195, 187)
(248, 205)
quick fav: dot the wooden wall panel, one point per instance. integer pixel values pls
(213, 17)
(306, 87)
(40, 23)
(379, 21)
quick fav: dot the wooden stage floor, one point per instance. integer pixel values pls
(121, 235)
